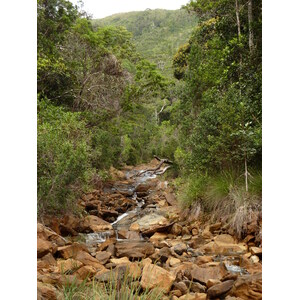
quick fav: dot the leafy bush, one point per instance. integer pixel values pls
(63, 156)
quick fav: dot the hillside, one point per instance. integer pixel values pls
(157, 33)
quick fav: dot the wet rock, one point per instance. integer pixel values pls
(151, 223)
(219, 289)
(134, 249)
(94, 224)
(106, 213)
(46, 291)
(103, 246)
(65, 266)
(248, 287)
(103, 257)
(154, 276)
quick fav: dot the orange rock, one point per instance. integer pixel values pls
(154, 276)
(85, 271)
(71, 250)
(88, 260)
(46, 291)
(248, 287)
(44, 247)
(64, 266)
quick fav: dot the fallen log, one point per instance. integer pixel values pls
(157, 170)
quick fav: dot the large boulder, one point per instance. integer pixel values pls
(205, 272)
(220, 247)
(85, 272)
(248, 287)
(134, 249)
(219, 289)
(65, 266)
(103, 256)
(94, 224)
(70, 251)
(44, 247)
(88, 260)
(46, 291)
(150, 224)
(154, 276)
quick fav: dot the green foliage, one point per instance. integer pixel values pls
(62, 156)
(156, 33)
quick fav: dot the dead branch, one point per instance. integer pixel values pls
(157, 169)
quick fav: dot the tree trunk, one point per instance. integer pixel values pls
(237, 13)
(250, 22)
(246, 173)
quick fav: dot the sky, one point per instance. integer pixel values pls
(103, 8)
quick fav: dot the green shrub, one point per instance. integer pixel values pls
(63, 156)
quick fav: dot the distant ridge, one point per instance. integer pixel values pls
(157, 33)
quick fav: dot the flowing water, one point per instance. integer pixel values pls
(126, 219)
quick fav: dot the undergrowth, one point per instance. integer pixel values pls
(222, 197)
(123, 287)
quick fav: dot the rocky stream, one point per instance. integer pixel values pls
(134, 224)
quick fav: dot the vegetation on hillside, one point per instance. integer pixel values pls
(157, 33)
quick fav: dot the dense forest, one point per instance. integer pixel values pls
(103, 103)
